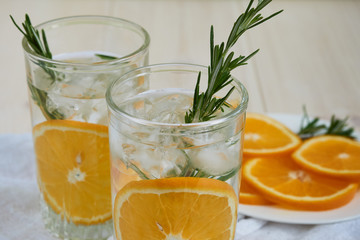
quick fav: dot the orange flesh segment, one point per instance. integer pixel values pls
(176, 208)
(264, 136)
(73, 169)
(248, 195)
(330, 155)
(282, 181)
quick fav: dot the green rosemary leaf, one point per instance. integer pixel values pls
(229, 175)
(311, 128)
(47, 50)
(265, 19)
(40, 97)
(221, 101)
(40, 46)
(105, 57)
(222, 63)
(187, 164)
(339, 127)
(138, 171)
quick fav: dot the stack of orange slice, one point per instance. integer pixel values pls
(319, 174)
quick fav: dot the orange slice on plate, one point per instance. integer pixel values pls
(330, 155)
(264, 136)
(249, 195)
(282, 181)
(73, 168)
(175, 208)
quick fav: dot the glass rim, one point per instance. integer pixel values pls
(144, 47)
(113, 107)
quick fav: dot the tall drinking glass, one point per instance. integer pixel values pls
(171, 179)
(69, 117)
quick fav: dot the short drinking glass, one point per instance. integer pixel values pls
(69, 117)
(171, 179)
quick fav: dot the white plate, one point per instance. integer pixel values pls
(277, 214)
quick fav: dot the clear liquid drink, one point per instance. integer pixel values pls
(69, 117)
(155, 153)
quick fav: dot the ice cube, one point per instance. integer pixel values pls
(168, 117)
(42, 80)
(140, 108)
(214, 161)
(159, 162)
(207, 138)
(170, 108)
(83, 85)
(64, 105)
(88, 110)
(95, 112)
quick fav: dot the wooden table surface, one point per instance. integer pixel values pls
(310, 54)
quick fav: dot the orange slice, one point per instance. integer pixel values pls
(121, 175)
(264, 136)
(74, 169)
(249, 195)
(331, 155)
(175, 208)
(282, 181)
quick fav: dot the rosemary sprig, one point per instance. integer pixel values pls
(40, 97)
(205, 104)
(33, 37)
(38, 42)
(311, 128)
(40, 45)
(339, 127)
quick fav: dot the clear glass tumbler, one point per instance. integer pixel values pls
(69, 117)
(171, 179)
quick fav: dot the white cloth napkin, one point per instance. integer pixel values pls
(20, 217)
(20, 212)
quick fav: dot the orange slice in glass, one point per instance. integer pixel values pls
(74, 169)
(176, 208)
